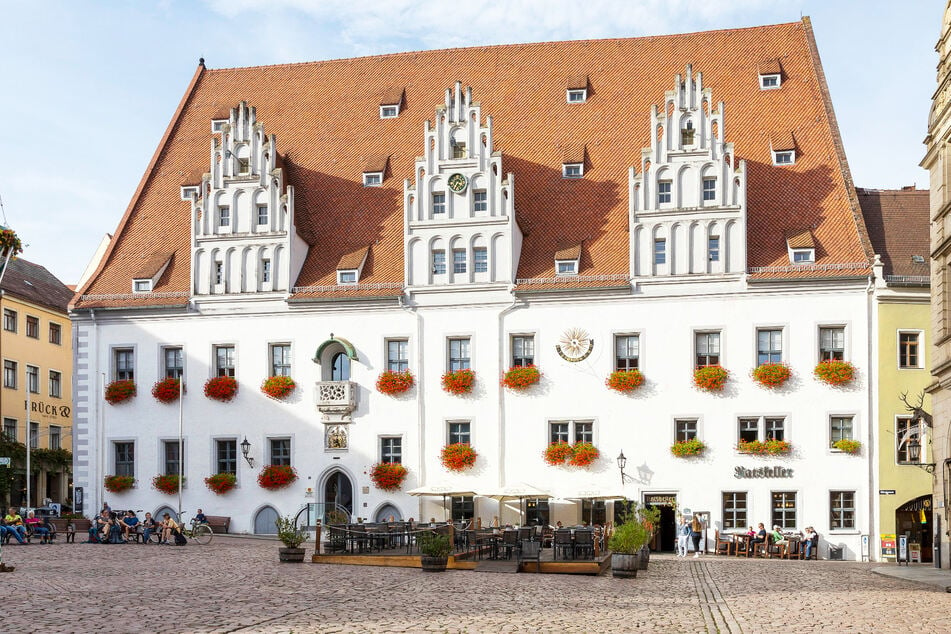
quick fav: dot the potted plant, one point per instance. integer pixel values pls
(221, 483)
(388, 476)
(771, 374)
(394, 383)
(458, 456)
(835, 372)
(625, 380)
(557, 453)
(847, 445)
(9, 240)
(521, 377)
(273, 477)
(221, 388)
(626, 543)
(118, 483)
(583, 454)
(278, 387)
(166, 390)
(292, 536)
(119, 391)
(458, 382)
(167, 484)
(771, 447)
(686, 448)
(710, 378)
(434, 551)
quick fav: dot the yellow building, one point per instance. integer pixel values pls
(36, 350)
(897, 222)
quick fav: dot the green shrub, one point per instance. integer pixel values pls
(628, 538)
(434, 545)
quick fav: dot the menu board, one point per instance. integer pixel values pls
(889, 546)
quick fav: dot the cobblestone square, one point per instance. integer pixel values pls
(237, 585)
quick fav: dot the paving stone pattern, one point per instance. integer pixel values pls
(237, 585)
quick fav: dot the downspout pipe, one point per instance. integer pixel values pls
(420, 396)
(501, 357)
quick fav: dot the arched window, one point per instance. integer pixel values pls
(340, 367)
(388, 513)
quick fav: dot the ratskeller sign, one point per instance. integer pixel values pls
(763, 472)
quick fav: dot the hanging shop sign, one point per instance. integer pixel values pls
(763, 472)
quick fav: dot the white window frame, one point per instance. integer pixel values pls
(141, 286)
(761, 433)
(572, 428)
(390, 111)
(449, 339)
(698, 426)
(809, 253)
(581, 95)
(571, 265)
(59, 383)
(921, 348)
(784, 158)
(218, 125)
(382, 437)
(476, 262)
(344, 275)
(765, 78)
(396, 360)
(267, 215)
(372, 179)
(846, 340)
(572, 170)
(855, 430)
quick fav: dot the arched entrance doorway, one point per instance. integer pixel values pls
(264, 521)
(338, 490)
(914, 519)
(388, 513)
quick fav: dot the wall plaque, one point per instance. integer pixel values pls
(763, 472)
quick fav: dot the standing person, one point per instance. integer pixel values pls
(683, 533)
(696, 532)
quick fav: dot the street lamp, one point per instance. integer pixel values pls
(914, 456)
(621, 463)
(246, 451)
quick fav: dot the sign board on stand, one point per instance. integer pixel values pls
(888, 546)
(4, 462)
(903, 549)
(865, 548)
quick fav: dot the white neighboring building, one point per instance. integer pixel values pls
(656, 227)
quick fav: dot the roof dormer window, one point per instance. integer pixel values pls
(390, 112)
(350, 266)
(567, 260)
(577, 89)
(149, 273)
(769, 82)
(803, 256)
(372, 179)
(577, 95)
(566, 267)
(784, 157)
(141, 286)
(801, 247)
(572, 170)
(770, 75)
(347, 277)
(390, 102)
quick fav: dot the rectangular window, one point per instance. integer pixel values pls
(266, 270)
(567, 267)
(226, 456)
(9, 320)
(397, 355)
(124, 364)
(663, 191)
(10, 429)
(56, 334)
(32, 327)
(391, 449)
(685, 429)
(10, 374)
(480, 199)
(577, 95)
(439, 262)
(280, 450)
(34, 435)
(374, 179)
(775, 428)
(584, 431)
(537, 512)
(224, 216)
(908, 350)
(389, 112)
(906, 432)
(749, 429)
(56, 384)
(346, 277)
(439, 204)
(219, 273)
(459, 432)
(174, 361)
(224, 361)
(481, 257)
(125, 458)
(734, 509)
(458, 260)
(172, 458)
(660, 251)
(571, 431)
(523, 350)
(280, 359)
(56, 435)
(784, 157)
(594, 511)
(709, 189)
(769, 346)
(713, 248)
(244, 165)
(458, 150)
(572, 170)
(841, 510)
(627, 352)
(831, 344)
(262, 214)
(803, 256)
(767, 82)
(141, 286)
(33, 379)
(558, 432)
(459, 354)
(784, 509)
(708, 349)
(840, 428)
(463, 508)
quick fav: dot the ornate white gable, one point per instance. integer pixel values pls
(459, 223)
(243, 235)
(687, 202)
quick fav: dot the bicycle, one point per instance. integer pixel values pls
(199, 532)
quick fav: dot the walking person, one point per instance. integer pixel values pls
(683, 534)
(696, 532)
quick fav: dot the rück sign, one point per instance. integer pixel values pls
(763, 472)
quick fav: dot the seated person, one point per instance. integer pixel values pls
(760, 535)
(9, 530)
(50, 526)
(15, 523)
(129, 525)
(200, 518)
(169, 528)
(751, 532)
(35, 524)
(100, 526)
(149, 526)
(810, 540)
(777, 536)
(113, 530)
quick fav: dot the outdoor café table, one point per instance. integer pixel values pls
(741, 544)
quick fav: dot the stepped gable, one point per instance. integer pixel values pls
(325, 116)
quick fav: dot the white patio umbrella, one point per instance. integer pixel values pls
(518, 491)
(436, 490)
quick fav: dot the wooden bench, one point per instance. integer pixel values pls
(219, 523)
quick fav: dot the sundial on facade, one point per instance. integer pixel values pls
(575, 345)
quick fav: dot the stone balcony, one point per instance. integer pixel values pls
(336, 400)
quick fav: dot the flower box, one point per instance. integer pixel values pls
(221, 483)
(278, 387)
(771, 374)
(625, 380)
(166, 483)
(835, 372)
(580, 454)
(687, 448)
(166, 390)
(847, 445)
(711, 378)
(9, 240)
(770, 447)
(394, 383)
(120, 391)
(221, 388)
(557, 453)
(388, 476)
(521, 377)
(273, 477)
(118, 483)
(458, 382)
(458, 456)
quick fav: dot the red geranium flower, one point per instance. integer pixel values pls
(119, 391)
(458, 456)
(710, 378)
(625, 380)
(278, 386)
(458, 382)
(118, 483)
(276, 476)
(166, 483)
(835, 372)
(388, 476)
(166, 390)
(393, 383)
(521, 377)
(221, 388)
(221, 483)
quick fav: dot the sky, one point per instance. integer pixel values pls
(87, 88)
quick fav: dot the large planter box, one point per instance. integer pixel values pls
(625, 566)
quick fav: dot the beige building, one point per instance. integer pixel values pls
(36, 393)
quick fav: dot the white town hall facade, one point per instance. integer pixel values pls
(653, 203)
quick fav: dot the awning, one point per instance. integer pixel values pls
(347, 346)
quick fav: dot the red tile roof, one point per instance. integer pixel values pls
(770, 67)
(898, 225)
(325, 127)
